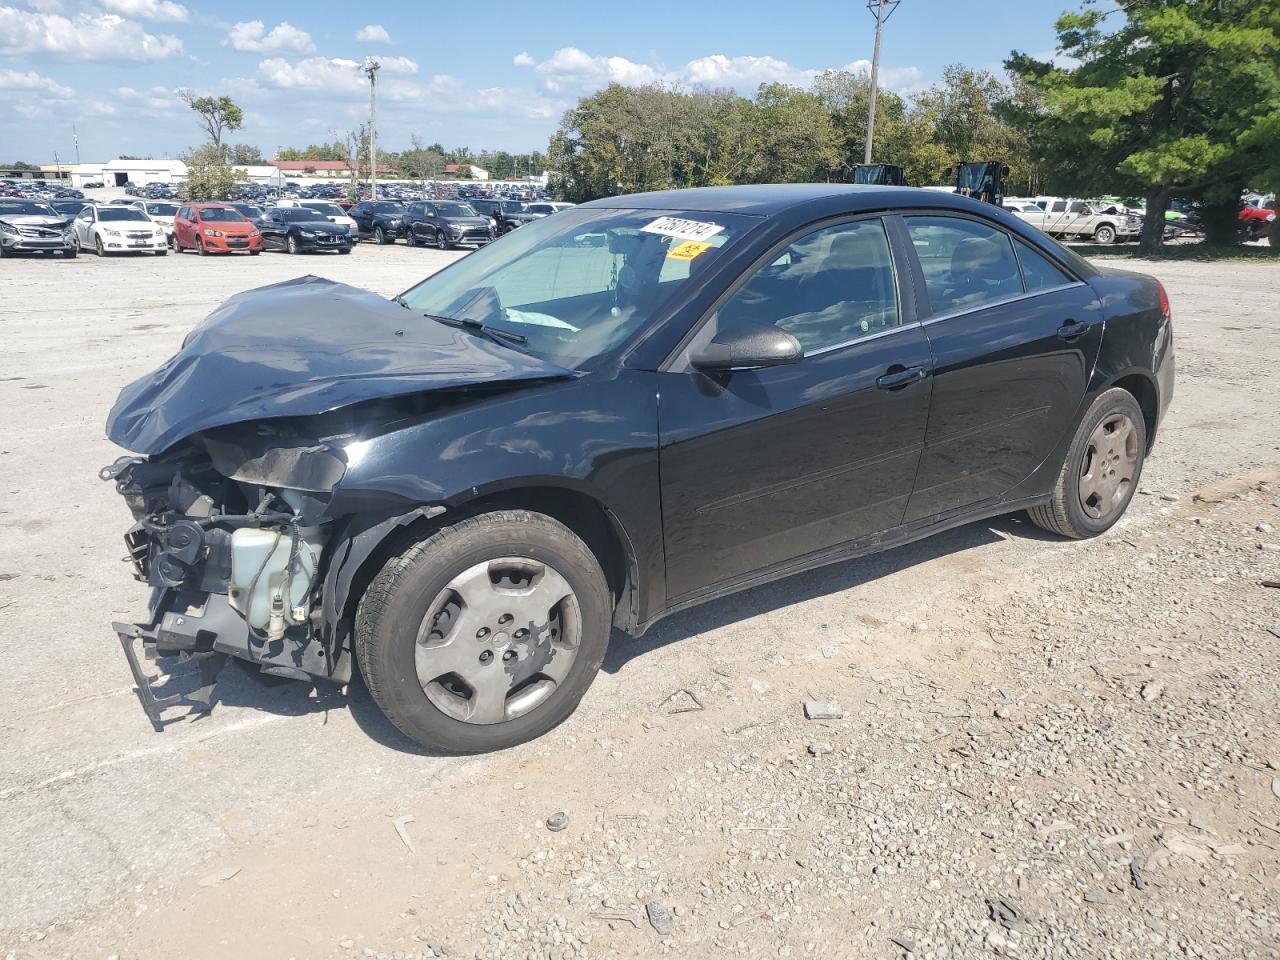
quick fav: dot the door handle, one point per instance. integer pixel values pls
(899, 376)
(1072, 330)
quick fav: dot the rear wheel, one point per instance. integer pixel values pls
(486, 634)
(1101, 471)
(1105, 234)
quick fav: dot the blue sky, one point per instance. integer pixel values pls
(496, 75)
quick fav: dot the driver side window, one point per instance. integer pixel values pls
(827, 288)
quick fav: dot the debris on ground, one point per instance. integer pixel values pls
(660, 918)
(817, 710)
(402, 831)
(557, 821)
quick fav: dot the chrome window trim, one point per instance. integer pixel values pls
(864, 338)
(1005, 300)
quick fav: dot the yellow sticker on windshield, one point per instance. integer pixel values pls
(688, 250)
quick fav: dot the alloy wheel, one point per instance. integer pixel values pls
(97, 247)
(1109, 466)
(498, 640)
(441, 242)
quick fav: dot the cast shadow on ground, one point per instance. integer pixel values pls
(241, 685)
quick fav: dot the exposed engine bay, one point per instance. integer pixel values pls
(234, 566)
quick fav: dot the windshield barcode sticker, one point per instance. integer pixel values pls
(682, 229)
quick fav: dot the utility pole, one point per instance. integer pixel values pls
(883, 10)
(75, 136)
(371, 68)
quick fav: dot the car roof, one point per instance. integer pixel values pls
(765, 200)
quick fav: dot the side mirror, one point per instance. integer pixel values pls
(748, 347)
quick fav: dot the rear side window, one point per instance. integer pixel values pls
(1038, 271)
(966, 264)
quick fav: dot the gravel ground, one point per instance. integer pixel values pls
(1047, 749)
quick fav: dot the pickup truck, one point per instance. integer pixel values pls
(1077, 219)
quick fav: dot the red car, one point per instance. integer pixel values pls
(214, 228)
(1257, 216)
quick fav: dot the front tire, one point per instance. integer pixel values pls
(1105, 234)
(98, 248)
(442, 242)
(291, 245)
(380, 236)
(1101, 472)
(486, 634)
(70, 254)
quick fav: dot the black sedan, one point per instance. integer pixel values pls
(506, 214)
(446, 224)
(381, 220)
(302, 230)
(627, 409)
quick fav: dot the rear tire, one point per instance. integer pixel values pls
(1101, 473)
(400, 615)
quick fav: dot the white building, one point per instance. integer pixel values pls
(119, 172)
(268, 176)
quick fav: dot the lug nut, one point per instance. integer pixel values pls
(505, 619)
(482, 633)
(486, 657)
(509, 656)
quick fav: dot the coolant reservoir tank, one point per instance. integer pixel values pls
(260, 578)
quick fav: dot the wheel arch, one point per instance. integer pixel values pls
(364, 544)
(1141, 384)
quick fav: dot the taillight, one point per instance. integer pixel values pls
(1166, 311)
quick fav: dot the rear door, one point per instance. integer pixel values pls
(763, 466)
(1014, 338)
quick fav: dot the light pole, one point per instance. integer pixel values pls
(883, 10)
(371, 68)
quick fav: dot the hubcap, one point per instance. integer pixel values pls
(1109, 465)
(498, 640)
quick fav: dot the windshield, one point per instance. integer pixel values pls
(385, 206)
(299, 215)
(121, 213)
(581, 284)
(222, 215)
(511, 206)
(249, 210)
(328, 209)
(456, 210)
(26, 208)
(162, 209)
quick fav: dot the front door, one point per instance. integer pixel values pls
(763, 466)
(1014, 339)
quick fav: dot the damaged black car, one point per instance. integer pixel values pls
(612, 414)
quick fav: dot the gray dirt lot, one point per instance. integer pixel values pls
(268, 829)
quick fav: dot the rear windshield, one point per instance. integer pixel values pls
(221, 214)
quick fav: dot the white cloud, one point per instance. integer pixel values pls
(14, 80)
(90, 36)
(571, 69)
(373, 33)
(250, 36)
(161, 10)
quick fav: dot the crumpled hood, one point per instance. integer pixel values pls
(34, 219)
(304, 347)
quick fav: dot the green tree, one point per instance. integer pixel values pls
(217, 114)
(797, 138)
(208, 175)
(242, 154)
(1170, 97)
